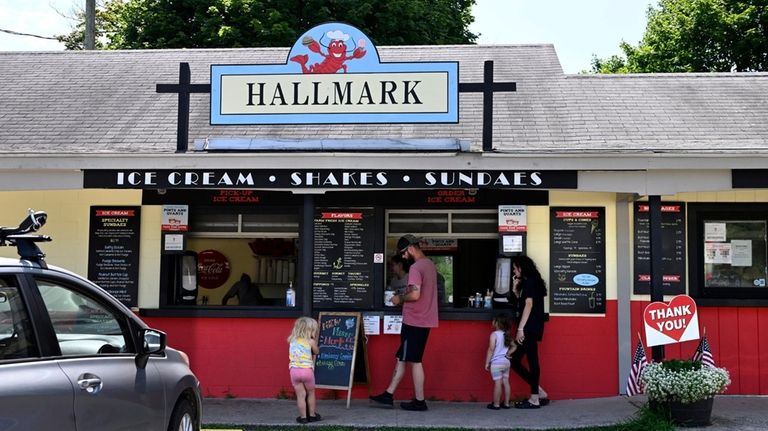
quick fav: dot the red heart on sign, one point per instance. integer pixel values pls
(671, 319)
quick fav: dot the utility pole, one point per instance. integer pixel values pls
(90, 25)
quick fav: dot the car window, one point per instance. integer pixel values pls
(83, 326)
(16, 338)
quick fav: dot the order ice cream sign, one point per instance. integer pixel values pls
(672, 322)
(333, 75)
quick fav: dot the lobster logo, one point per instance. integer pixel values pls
(335, 58)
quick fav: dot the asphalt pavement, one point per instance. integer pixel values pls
(746, 413)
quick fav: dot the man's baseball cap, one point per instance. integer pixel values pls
(406, 241)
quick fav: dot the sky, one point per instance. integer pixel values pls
(577, 28)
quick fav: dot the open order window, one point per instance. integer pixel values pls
(731, 251)
(463, 244)
(243, 258)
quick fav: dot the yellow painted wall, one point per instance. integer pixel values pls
(68, 219)
(68, 225)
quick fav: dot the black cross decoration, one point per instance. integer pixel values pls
(487, 87)
(184, 88)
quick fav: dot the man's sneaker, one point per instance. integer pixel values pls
(383, 398)
(414, 405)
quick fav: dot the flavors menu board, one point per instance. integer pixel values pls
(113, 251)
(343, 258)
(577, 260)
(672, 248)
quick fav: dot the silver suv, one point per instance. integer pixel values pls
(73, 358)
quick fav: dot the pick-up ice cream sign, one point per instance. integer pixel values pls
(672, 322)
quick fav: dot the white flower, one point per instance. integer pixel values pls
(683, 381)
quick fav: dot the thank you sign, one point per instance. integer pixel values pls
(333, 75)
(673, 322)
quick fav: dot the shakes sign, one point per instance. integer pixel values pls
(333, 75)
(328, 179)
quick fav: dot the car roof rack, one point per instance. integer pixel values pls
(24, 239)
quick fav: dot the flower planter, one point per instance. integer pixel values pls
(691, 385)
(694, 414)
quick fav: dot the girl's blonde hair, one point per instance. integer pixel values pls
(304, 327)
(503, 323)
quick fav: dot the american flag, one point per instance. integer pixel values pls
(639, 361)
(703, 354)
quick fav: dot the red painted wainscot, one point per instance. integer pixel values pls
(248, 358)
(735, 339)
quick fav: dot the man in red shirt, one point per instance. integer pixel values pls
(419, 315)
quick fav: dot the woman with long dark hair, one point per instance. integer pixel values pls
(530, 290)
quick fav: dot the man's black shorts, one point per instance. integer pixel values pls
(413, 340)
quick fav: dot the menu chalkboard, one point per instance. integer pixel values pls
(343, 258)
(113, 251)
(338, 345)
(672, 248)
(577, 260)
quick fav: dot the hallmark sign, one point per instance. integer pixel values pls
(327, 179)
(333, 75)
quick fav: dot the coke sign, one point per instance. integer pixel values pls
(212, 269)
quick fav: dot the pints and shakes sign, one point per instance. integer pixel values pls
(333, 75)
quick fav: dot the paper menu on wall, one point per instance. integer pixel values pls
(741, 252)
(392, 324)
(717, 252)
(512, 243)
(714, 232)
(371, 324)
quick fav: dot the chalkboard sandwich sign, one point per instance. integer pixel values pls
(338, 345)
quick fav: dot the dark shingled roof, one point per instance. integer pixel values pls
(104, 102)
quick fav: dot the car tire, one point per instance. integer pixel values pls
(183, 417)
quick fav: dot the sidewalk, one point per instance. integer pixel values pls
(729, 413)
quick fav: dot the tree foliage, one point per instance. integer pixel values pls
(697, 36)
(144, 24)
(75, 40)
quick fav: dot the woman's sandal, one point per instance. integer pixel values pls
(543, 402)
(526, 405)
(492, 407)
(505, 406)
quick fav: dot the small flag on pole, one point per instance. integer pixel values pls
(639, 361)
(703, 354)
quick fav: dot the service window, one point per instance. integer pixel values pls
(729, 241)
(244, 258)
(463, 244)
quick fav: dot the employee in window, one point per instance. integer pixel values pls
(530, 290)
(247, 293)
(399, 272)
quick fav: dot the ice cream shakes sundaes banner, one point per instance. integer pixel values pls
(674, 322)
(333, 75)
